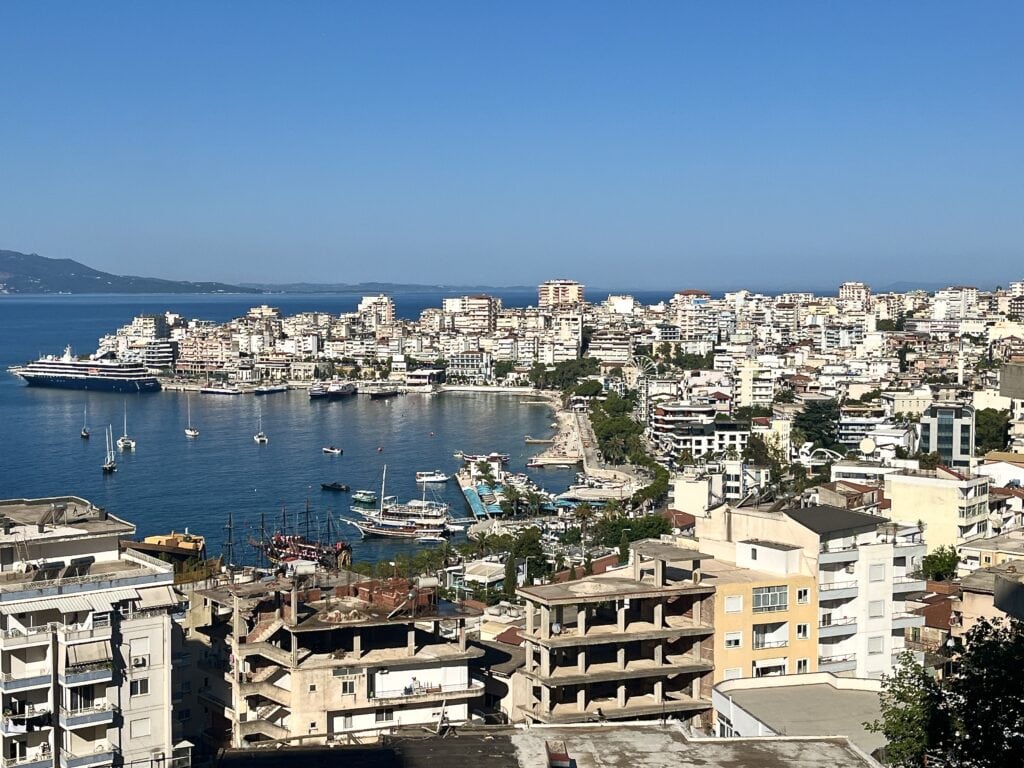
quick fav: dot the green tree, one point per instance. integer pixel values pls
(929, 460)
(991, 430)
(912, 714)
(818, 422)
(588, 565)
(623, 548)
(942, 564)
(588, 388)
(885, 325)
(583, 513)
(503, 368)
(509, 582)
(785, 395)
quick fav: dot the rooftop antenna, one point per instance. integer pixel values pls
(228, 554)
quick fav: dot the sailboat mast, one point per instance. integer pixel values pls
(383, 478)
(307, 520)
(228, 552)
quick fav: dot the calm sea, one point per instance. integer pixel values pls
(171, 482)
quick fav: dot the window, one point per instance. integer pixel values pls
(346, 722)
(803, 596)
(877, 572)
(348, 687)
(771, 598)
(139, 687)
(312, 688)
(734, 604)
(733, 673)
(802, 632)
(876, 609)
(733, 639)
(801, 666)
(876, 645)
(139, 728)
(384, 715)
(753, 553)
(725, 729)
(184, 715)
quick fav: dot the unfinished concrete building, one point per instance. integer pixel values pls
(627, 644)
(329, 658)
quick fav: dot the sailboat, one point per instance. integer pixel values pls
(110, 465)
(190, 431)
(261, 437)
(85, 424)
(124, 442)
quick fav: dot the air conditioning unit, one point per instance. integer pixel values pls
(138, 661)
(850, 568)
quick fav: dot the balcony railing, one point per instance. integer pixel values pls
(102, 752)
(37, 756)
(831, 586)
(759, 644)
(426, 690)
(842, 659)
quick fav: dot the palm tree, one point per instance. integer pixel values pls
(513, 496)
(583, 514)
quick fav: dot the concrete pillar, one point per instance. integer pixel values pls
(621, 656)
(545, 661)
(581, 661)
(695, 688)
(530, 609)
(659, 653)
(529, 657)
(357, 644)
(659, 614)
(620, 616)
(545, 622)
(545, 699)
(659, 572)
(659, 691)
(462, 635)
(410, 641)
(620, 696)
(581, 699)
(581, 620)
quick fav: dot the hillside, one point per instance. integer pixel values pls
(31, 273)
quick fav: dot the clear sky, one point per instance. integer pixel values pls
(631, 145)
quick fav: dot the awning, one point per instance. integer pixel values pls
(67, 604)
(157, 597)
(103, 601)
(90, 653)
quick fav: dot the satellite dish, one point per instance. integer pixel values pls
(867, 446)
(556, 628)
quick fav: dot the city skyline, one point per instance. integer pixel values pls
(785, 147)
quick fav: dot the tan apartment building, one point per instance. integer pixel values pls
(766, 621)
(628, 644)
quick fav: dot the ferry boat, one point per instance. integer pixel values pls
(269, 389)
(99, 375)
(432, 476)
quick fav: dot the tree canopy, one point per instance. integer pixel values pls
(819, 421)
(991, 430)
(941, 564)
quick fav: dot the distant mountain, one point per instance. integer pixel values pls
(381, 288)
(31, 273)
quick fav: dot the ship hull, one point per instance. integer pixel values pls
(92, 384)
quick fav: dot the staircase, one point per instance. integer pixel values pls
(264, 630)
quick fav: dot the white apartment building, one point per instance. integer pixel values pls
(953, 506)
(754, 384)
(85, 645)
(863, 565)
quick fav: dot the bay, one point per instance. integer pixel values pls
(171, 482)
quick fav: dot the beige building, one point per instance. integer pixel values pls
(559, 294)
(978, 595)
(952, 505)
(766, 621)
(336, 658)
(628, 644)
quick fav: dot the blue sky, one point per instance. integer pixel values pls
(640, 145)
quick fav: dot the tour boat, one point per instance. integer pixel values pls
(432, 476)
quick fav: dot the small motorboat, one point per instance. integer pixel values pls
(340, 487)
(332, 450)
(432, 476)
(365, 497)
(431, 540)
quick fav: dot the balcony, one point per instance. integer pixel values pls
(844, 663)
(427, 692)
(101, 754)
(839, 555)
(99, 629)
(838, 590)
(902, 584)
(34, 759)
(36, 676)
(101, 713)
(760, 644)
(838, 628)
(92, 673)
(19, 637)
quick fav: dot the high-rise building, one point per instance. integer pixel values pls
(948, 429)
(557, 294)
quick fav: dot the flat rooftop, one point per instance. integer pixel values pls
(60, 517)
(670, 553)
(1008, 542)
(817, 709)
(607, 585)
(718, 572)
(984, 579)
